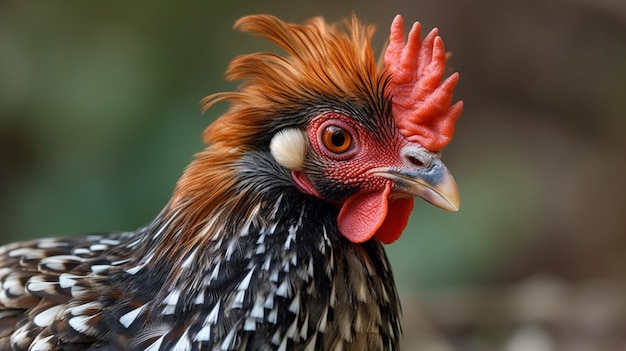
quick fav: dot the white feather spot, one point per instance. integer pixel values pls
(358, 322)
(271, 229)
(77, 290)
(260, 249)
(230, 249)
(229, 340)
(310, 346)
(98, 247)
(42, 344)
(22, 336)
(37, 284)
(213, 315)
(274, 276)
(246, 281)
(245, 229)
(199, 299)
(291, 237)
(81, 309)
(295, 304)
(80, 323)
(250, 324)
(238, 299)
(49, 243)
(333, 296)
(170, 302)
(276, 206)
(292, 332)
(266, 263)
(276, 338)
(189, 260)
(272, 317)
(172, 298)
(203, 334)
(45, 318)
(121, 262)
(12, 284)
(183, 344)
(362, 295)
(294, 259)
(81, 251)
(22, 251)
(168, 310)
(111, 242)
(127, 319)
(289, 147)
(269, 302)
(100, 268)
(283, 345)
(257, 309)
(305, 327)
(58, 263)
(283, 289)
(134, 270)
(215, 272)
(133, 243)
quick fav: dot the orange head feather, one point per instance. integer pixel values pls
(323, 61)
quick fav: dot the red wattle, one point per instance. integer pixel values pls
(364, 215)
(397, 218)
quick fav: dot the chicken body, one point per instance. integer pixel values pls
(273, 237)
(275, 282)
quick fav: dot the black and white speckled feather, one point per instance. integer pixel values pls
(283, 279)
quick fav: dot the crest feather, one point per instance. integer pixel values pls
(324, 60)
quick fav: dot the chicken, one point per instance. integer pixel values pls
(273, 237)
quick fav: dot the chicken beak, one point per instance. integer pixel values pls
(425, 176)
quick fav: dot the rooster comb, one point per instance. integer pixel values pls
(421, 98)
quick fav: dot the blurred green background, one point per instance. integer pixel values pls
(99, 114)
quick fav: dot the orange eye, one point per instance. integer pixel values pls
(336, 139)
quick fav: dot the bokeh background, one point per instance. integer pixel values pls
(99, 114)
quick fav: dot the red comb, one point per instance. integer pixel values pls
(421, 101)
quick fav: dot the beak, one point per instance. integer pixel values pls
(424, 174)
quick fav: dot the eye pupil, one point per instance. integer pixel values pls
(338, 137)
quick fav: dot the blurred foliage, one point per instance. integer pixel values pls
(99, 115)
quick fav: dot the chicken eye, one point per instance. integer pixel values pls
(336, 139)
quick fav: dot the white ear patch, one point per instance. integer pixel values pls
(289, 148)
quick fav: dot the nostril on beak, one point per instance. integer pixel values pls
(418, 156)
